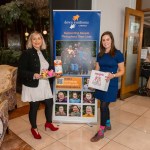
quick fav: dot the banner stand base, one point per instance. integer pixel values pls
(59, 123)
(89, 124)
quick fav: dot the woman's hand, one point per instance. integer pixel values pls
(110, 76)
(121, 70)
(36, 76)
(57, 75)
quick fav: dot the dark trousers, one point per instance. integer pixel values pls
(34, 108)
(105, 114)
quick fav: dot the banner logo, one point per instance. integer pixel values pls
(75, 21)
(76, 17)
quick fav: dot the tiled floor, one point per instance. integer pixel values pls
(130, 130)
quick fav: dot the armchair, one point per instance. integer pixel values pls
(3, 119)
(8, 76)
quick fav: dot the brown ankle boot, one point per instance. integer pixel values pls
(99, 135)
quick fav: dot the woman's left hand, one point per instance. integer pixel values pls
(110, 76)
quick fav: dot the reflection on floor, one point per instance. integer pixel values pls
(130, 130)
(19, 102)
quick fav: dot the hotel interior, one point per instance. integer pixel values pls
(129, 115)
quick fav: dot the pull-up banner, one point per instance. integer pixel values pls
(76, 44)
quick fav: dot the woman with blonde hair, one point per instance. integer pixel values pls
(34, 88)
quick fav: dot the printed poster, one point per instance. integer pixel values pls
(98, 80)
(76, 44)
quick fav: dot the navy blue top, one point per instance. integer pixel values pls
(108, 63)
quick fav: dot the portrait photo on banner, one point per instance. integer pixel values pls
(75, 110)
(61, 97)
(74, 96)
(86, 84)
(88, 111)
(61, 110)
(88, 97)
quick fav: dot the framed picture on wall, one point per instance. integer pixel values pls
(14, 41)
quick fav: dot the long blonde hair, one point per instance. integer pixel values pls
(29, 42)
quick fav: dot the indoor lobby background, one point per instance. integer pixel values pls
(130, 116)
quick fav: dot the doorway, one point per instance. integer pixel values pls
(133, 34)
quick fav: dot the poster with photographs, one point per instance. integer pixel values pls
(74, 105)
(76, 44)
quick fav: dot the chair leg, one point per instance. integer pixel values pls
(7, 130)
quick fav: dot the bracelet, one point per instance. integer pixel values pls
(114, 75)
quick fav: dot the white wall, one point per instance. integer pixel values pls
(112, 17)
(145, 4)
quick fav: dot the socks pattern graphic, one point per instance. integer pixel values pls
(101, 131)
(102, 127)
(108, 123)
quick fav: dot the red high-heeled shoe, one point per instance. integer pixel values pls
(35, 134)
(50, 126)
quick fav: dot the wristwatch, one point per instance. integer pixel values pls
(1, 128)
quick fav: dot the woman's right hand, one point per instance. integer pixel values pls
(57, 75)
(37, 76)
(90, 88)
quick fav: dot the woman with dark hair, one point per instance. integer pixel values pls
(108, 60)
(34, 89)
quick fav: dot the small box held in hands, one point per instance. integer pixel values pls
(98, 80)
(47, 73)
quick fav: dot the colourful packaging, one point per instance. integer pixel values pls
(58, 66)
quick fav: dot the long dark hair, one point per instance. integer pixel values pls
(102, 48)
